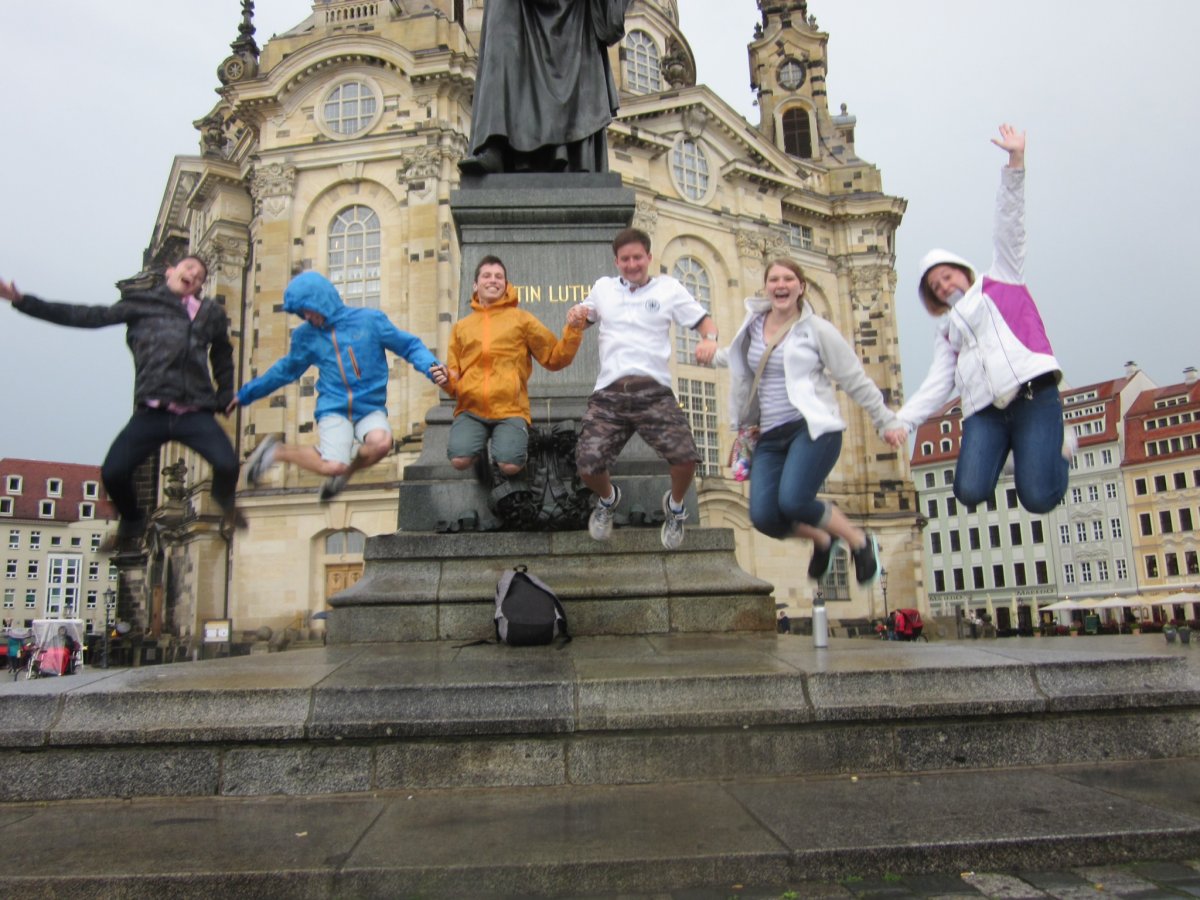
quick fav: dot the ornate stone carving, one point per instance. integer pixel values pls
(420, 164)
(869, 283)
(755, 248)
(271, 187)
(677, 65)
(212, 135)
(646, 216)
(228, 255)
(695, 120)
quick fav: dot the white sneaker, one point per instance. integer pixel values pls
(672, 530)
(260, 460)
(600, 523)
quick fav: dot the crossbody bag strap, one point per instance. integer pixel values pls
(762, 363)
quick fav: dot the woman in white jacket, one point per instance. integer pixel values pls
(991, 347)
(797, 413)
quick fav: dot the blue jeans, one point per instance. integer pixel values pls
(787, 470)
(1031, 427)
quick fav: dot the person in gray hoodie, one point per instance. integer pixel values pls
(796, 411)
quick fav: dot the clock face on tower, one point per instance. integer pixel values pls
(791, 74)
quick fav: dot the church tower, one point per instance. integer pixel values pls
(334, 147)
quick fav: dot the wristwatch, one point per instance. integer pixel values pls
(710, 337)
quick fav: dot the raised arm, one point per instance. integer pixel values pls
(1008, 237)
(1012, 141)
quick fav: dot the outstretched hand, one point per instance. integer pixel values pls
(9, 292)
(1014, 142)
(233, 404)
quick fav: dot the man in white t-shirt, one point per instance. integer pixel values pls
(633, 392)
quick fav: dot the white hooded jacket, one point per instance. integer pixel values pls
(992, 341)
(811, 347)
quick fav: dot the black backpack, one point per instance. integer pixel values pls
(527, 611)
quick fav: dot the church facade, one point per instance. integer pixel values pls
(335, 147)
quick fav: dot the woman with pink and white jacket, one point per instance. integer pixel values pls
(991, 348)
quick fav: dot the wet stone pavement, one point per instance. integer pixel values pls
(1135, 881)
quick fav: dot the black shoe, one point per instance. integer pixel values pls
(822, 560)
(332, 486)
(866, 562)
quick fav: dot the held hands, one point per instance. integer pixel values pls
(1014, 142)
(577, 316)
(896, 437)
(440, 374)
(9, 292)
(233, 404)
(706, 351)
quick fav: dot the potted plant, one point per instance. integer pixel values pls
(1185, 633)
(1169, 633)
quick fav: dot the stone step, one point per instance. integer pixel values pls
(599, 711)
(700, 838)
(429, 587)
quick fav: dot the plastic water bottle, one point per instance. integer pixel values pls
(820, 623)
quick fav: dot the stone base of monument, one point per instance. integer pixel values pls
(427, 587)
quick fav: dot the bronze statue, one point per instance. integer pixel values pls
(545, 91)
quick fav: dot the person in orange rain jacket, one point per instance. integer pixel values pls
(487, 371)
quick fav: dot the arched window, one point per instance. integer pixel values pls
(926, 449)
(339, 543)
(690, 272)
(354, 242)
(947, 446)
(689, 165)
(697, 396)
(643, 74)
(350, 108)
(797, 133)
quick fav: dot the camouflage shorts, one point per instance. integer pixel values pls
(626, 406)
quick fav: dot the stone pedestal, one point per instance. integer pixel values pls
(426, 587)
(554, 233)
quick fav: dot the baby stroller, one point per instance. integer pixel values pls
(57, 646)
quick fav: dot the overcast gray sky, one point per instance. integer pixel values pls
(100, 99)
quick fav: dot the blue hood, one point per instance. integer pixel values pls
(313, 291)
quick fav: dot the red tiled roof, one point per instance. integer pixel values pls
(34, 475)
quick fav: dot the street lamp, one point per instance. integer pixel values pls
(110, 601)
(883, 576)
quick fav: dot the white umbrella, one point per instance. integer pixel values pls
(1180, 598)
(1061, 604)
(1115, 602)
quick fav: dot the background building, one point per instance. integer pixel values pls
(54, 516)
(1126, 526)
(335, 148)
(1162, 480)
